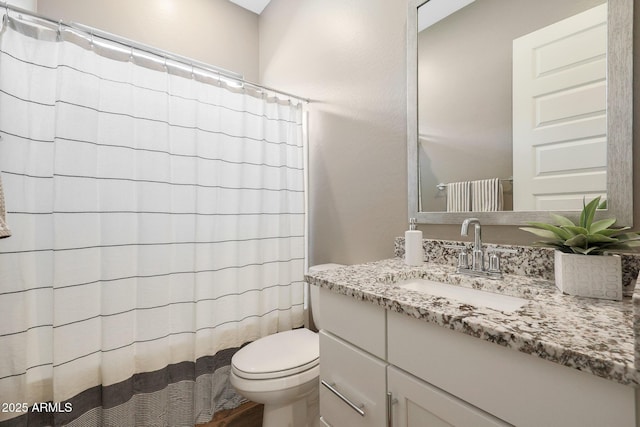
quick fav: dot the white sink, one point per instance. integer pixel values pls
(475, 297)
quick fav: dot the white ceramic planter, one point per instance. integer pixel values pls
(595, 276)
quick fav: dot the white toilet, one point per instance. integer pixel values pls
(281, 371)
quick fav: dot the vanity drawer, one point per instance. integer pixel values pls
(358, 322)
(359, 377)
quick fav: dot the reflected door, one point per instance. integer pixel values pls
(559, 113)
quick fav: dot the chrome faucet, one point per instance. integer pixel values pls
(477, 267)
(477, 256)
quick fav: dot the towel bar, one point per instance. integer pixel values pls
(442, 186)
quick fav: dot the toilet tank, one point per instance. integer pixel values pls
(314, 292)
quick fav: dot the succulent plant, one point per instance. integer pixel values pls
(587, 237)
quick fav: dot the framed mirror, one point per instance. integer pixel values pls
(517, 109)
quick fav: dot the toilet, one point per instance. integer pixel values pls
(282, 372)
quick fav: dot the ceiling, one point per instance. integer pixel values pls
(436, 10)
(255, 6)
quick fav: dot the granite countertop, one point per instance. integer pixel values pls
(591, 335)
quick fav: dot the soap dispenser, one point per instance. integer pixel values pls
(413, 251)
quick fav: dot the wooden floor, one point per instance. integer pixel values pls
(246, 415)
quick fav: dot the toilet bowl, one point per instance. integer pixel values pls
(282, 372)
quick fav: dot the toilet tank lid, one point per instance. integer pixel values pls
(324, 267)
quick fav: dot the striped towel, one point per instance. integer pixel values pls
(4, 230)
(486, 195)
(459, 196)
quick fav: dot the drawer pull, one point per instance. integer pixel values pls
(390, 402)
(357, 408)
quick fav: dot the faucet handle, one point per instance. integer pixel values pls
(494, 258)
(463, 256)
(494, 262)
(463, 259)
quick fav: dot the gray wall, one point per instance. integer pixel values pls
(349, 58)
(216, 32)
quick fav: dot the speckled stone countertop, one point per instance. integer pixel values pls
(591, 335)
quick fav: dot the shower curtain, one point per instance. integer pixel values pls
(157, 219)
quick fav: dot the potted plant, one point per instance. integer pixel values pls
(584, 264)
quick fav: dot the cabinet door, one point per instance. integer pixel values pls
(418, 404)
(519, 388)
(353, 386)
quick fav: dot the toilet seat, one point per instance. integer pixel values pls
(277, 356)
(276, 386)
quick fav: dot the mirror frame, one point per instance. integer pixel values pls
(619, 128)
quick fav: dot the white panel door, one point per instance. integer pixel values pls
(559, 113)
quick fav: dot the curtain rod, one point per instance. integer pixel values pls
(163, 54)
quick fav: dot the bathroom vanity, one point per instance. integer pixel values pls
(392, 356)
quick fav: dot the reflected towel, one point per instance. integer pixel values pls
(486, 195)
(4, 230)
(459, 196)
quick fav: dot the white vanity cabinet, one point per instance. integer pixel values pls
(438, 377)
(521, 389)
(356, 377)
(352, 362)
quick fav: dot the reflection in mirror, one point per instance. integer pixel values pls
(520, 107)
(514, 95)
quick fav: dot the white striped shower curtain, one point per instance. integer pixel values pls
(157, 224)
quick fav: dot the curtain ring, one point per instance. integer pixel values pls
(131, 57)
(91, 41)
(60, 29)
(193, 76)
(164, 64)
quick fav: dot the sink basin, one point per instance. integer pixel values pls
(475, 297)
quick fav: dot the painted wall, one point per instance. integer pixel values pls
(25, 4)
(216, 32)
(349, 58)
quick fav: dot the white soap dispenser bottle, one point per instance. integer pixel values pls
(413, 251)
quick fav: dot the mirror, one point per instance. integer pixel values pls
(519, 108)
